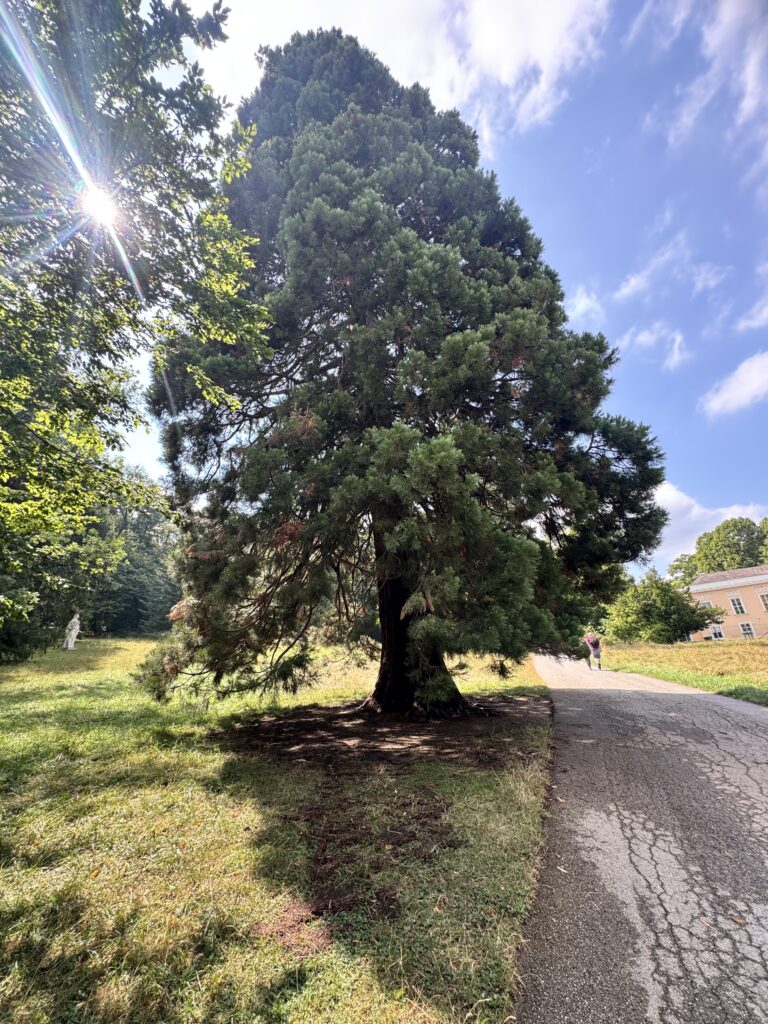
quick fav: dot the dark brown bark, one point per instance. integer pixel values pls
(403, 674)
(395, 688)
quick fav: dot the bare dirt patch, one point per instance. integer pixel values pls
(352, 855)
(373, 817)
(297, 929)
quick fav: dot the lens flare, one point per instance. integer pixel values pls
(99, 205)
(95, 202)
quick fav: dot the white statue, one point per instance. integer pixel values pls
(70, 633)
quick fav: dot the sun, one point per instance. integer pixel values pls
(99, 205)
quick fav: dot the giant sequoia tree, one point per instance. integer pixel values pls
(423, 460)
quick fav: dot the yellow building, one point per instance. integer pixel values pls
(743, 596)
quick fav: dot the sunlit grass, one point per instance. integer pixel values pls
(141, 863)
(735, 668)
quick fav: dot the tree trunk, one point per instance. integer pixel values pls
(409, 681)
(395, 688)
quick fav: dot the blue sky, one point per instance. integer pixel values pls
(635, 138)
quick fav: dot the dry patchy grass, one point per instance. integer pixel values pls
(735, 668)
(149, 873)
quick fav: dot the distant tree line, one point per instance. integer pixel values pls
(117, 573)
(135, 598)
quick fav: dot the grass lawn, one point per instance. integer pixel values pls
(151, 870)
(735, 668)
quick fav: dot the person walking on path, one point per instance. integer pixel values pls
(593, 650)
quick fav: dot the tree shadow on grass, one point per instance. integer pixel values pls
(80, 777)
(356, 825)
(41, 856)
(73, 712)
(84, 742)
(271, 1004)
(46, 956)
(49, 954)
(29, 929)
(52, 958)
(349, 807)
(343, 735)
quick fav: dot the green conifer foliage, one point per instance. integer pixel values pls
(424, 458)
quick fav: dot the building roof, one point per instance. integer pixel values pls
(731, 574)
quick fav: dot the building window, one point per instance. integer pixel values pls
(738, 606)
(707, 604)
(746, 629)
(764, 601)
(717, 632)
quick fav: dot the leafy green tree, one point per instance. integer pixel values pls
(656, 611)
(117, 574)
(113, 233)
(683, 570)
(735, 544)
(424, 456)
(68, 566)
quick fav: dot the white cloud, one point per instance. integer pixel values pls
(707, 276)
(531, 48)
(696, 98)
(757, 316)
(720, 315)
(672, 14)
(585, 310)
(677, 353)
(688, 518)
(663, 219)
(500, 62)
(597, 158)
(733, 41)
(672, 256)
(414, 39)
(658, 335)
(672, 261)
(746, 385)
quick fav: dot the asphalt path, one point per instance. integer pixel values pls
(653, 895)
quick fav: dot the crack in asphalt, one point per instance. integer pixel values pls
(652, 901)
